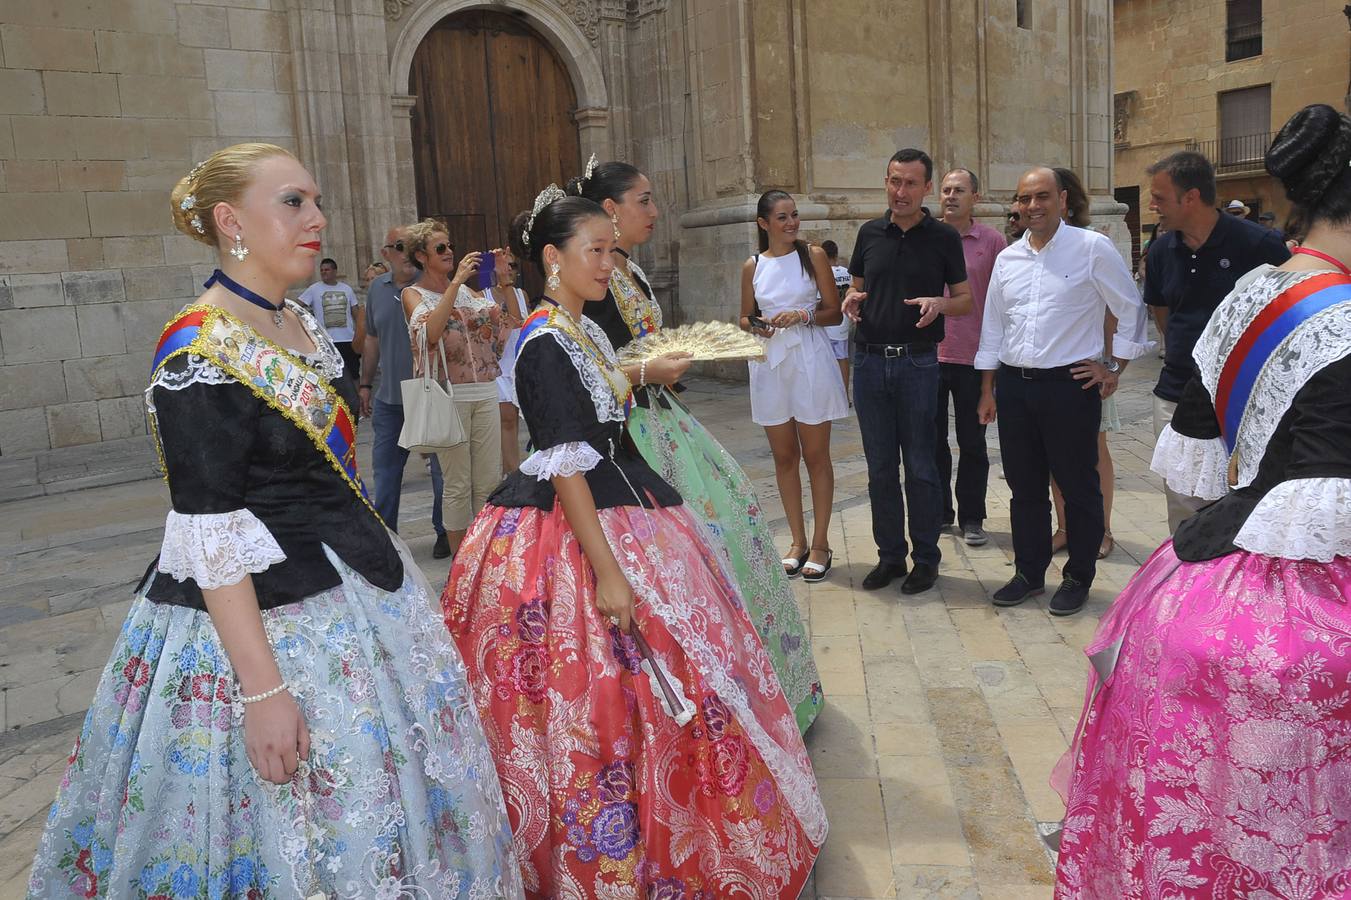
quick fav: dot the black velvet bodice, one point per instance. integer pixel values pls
(558, 410)
(225, 450)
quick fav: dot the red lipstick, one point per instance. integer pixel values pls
(312, 245)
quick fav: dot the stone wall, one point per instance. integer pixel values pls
(1171, 68)
(826, 101)
(104, 104)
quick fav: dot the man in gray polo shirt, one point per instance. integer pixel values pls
(387, 341)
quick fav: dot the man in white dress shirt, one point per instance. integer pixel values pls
(1041, 356)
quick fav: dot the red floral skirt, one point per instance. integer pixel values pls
(608, 796)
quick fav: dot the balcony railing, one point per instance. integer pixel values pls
(1232, 155)
(1243, 41)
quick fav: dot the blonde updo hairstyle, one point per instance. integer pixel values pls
(419, 237)
(221, 178)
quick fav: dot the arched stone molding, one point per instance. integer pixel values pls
(563, 34)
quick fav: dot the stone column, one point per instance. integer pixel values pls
(402, 106)
(593, 130)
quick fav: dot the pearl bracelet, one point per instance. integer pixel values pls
(265, 695)
(642, 373)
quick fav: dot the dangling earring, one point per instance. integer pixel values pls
(614, 223)
(553, 282)
(239, 251)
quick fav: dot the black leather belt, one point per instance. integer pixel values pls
(895, 350)
(1059, 373)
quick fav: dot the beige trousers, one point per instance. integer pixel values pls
(1180, 506)
(472, 468)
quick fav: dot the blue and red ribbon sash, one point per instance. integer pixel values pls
(537, 320)
(273, 375)
(1263, 335)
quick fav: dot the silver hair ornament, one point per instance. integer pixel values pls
(544, 198)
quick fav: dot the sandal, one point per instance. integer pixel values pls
(1108, 545)
(1059, 541)
(815, 571)
(792, 565)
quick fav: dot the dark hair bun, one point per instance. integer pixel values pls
(1310, 152)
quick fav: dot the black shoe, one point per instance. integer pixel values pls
(441, 549)
(883, 575)
(1069, 598)
(920, 579)
(1017, 590)
(974, 535)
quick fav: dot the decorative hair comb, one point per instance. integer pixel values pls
(590, 168)
(544, 198)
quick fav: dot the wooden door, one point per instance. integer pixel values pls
(492, 125)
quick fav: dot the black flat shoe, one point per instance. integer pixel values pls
(1017, 590)
(921, 578)
(792, 565)
(441, 549)
(1069, 598)
(815, 571)
(883, 574)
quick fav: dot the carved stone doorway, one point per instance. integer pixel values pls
(493, 123)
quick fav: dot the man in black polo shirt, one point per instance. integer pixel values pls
(1188, 271)
(901, 264)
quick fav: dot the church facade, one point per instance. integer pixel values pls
(463, 110)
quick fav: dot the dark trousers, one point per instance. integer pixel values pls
(895, 399)
(351, 360)
(1050, 428)
(973, 465)
(388, 460)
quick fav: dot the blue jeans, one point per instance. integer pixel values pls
(897, 399)
(388, 460)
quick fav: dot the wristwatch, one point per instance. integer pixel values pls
(1113, 366)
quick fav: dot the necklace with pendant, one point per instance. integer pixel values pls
(234, 287)
(614, 377)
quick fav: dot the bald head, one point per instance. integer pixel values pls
(1040, 201)
(395, 256)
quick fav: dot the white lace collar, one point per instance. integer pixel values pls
(1317, 343)
(609, 408)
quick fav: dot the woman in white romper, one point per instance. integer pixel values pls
(788, 289)
(515, 307)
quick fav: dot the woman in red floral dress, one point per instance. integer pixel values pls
(609, 794)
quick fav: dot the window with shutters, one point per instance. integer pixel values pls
(1245, 127)
(1243, 32)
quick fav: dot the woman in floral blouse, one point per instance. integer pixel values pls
(472, 333)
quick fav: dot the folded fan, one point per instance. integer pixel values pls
(704, 341)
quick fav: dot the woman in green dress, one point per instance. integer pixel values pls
(673, 442)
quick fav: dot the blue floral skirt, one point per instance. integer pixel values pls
(398, 798)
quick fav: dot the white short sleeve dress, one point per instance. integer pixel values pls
(799, 378)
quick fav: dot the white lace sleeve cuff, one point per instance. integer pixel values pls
(561, 461)
(1304, 518)
(1191, 467)
(216, 549)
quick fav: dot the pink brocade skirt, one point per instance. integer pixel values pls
(608, 796)
(1215, 759)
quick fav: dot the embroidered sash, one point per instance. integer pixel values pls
(1263, 336)
(642, 315)
(274, 376)
(549, 315)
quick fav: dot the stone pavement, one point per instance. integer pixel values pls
(943, 716)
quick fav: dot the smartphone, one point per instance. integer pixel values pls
(759, 323)
(486, 265)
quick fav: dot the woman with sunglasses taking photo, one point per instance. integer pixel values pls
(472, 332)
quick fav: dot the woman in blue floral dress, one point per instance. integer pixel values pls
(283, 714)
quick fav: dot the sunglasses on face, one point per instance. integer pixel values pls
(397, 245)
(442, 248)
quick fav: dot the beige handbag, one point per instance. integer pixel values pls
(430, 420)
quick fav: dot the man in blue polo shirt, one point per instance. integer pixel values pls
(1188, 271)
(388, 347)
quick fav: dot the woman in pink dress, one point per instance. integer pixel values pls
(1214, 756)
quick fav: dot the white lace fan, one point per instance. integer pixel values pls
(704, 341)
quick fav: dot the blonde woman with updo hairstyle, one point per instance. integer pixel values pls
(282, 715)
(445, 316)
